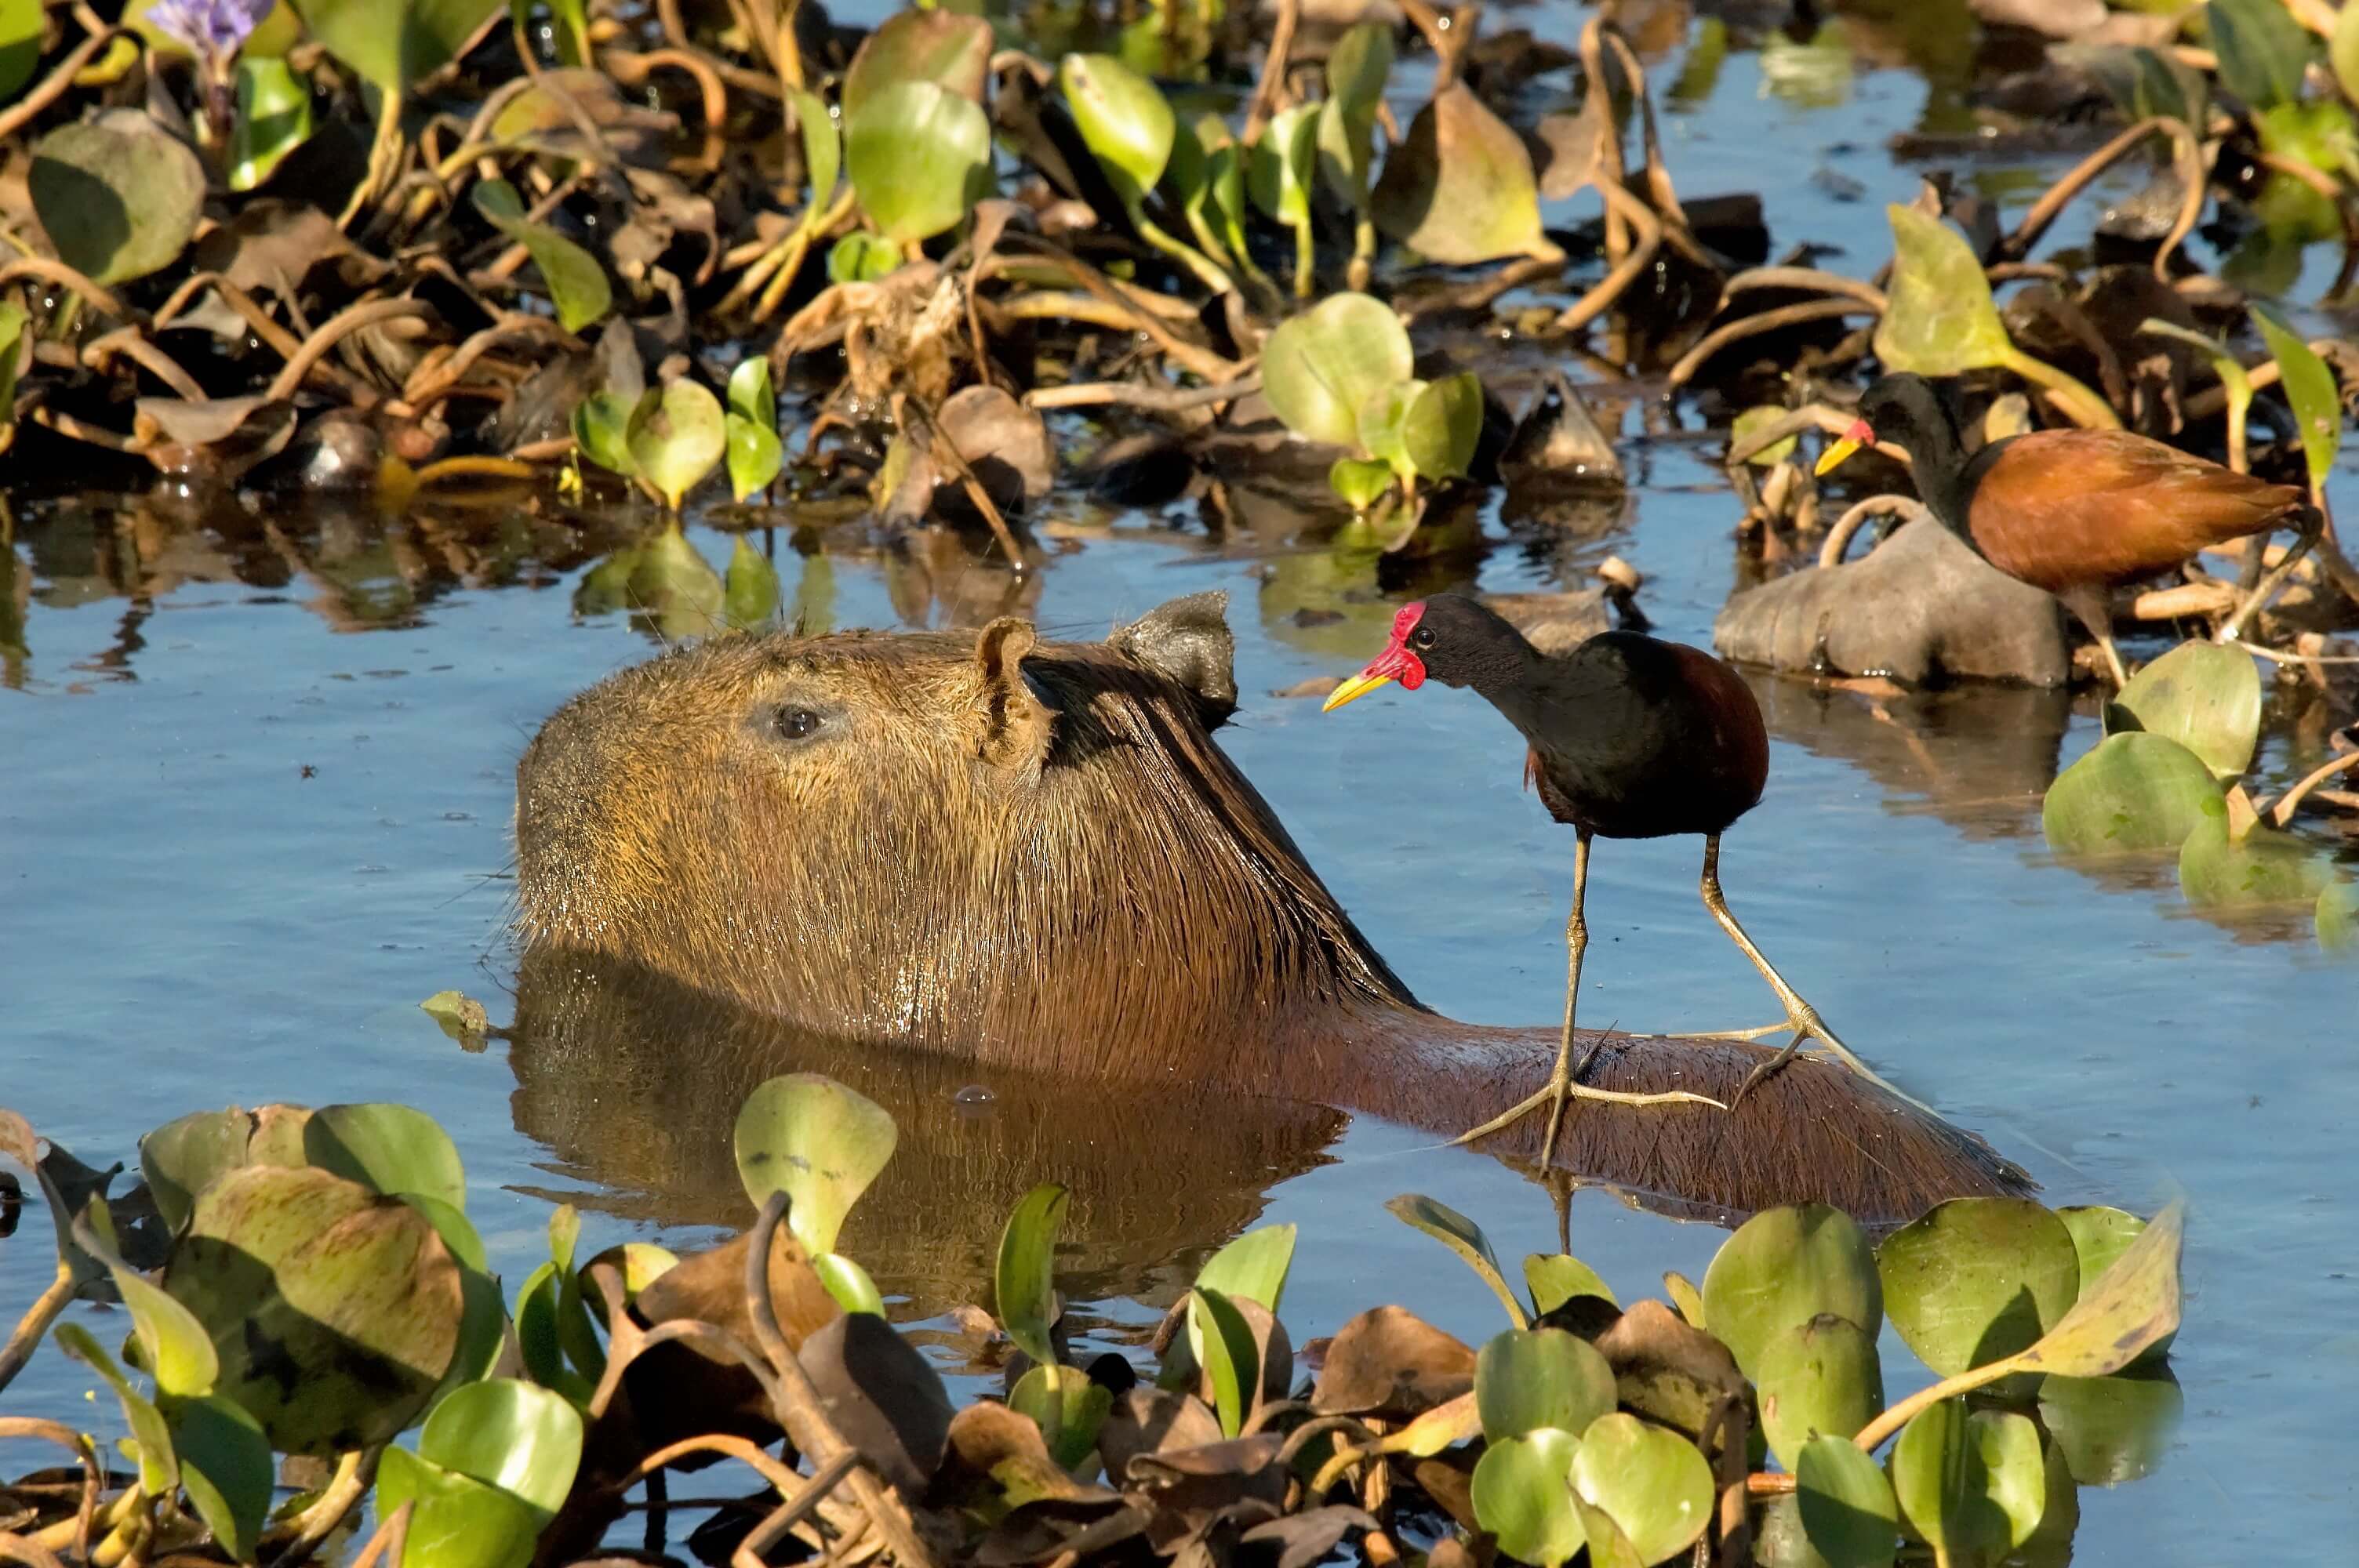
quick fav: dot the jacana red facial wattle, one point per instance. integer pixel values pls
(2075, 513)
(1628, 737)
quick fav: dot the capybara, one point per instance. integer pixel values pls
(1035, 855)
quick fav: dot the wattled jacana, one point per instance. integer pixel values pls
(2074, 511)
(1630, 738)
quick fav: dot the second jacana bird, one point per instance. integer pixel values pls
(1629, 737)
(2076, 513)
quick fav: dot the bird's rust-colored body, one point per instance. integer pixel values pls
(2075, 513)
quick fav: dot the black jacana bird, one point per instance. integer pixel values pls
(2076, 513)
(1629, 737)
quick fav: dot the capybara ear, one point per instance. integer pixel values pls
(1187, 641)
(1016, 726)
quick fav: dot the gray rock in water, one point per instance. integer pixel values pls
(1922, 607)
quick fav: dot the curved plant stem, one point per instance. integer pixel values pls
(355, 1471)
(384, 152)
(2184, 151)
(1641, 219)
(2083, 405)
(1754, 326)
(1207, 271)
(1273, 72)
(2281, 814)
(1870, 1436)
(34, 1327)
(1305, 261)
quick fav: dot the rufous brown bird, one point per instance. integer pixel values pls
(2077, 513)
(1629, 737)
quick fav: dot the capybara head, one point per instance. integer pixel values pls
(1018, 850)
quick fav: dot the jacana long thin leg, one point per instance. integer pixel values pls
(2094, 607)
(1564, 1082)
(1803, 1018)
(2267, 589)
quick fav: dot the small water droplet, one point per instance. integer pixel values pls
(974, 1094)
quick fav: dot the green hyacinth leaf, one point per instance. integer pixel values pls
(930, 45)
(1069, 1416)
(1320, 367)
(2309, 387)
(1941, 319)
(389, 1149)
(183, 1157)
(755, 455)
(1961, 1480)
(1252, 1268)
(394, 44)
(1279, 168)
(750, 396)
(1785, 1267)
(2262, 51)
(1460, 188)
(602, 424)
(228, 1469)
(920, 156)
(1522, 1493)
(1818, 1378)
(1847, 1507)
(1360, 481)
(159, 1468)
(118, 195)
(2219, 870)
(861, 257)
(2204, 696)
(1651, 1481)
(1025, 1274)
(2133, 793)
(1443, 424)
(1123, 119)
(676, 438)
(455, 1521)
(274, 118)
(1384, 421)
(821, 1143)
(822, 149)
(1231, 1360)
(1527, 1379)
(1974, 1280)
(517, 1436)
(2101, 1235)
(577, 284)
(1464, 1237)
(1556, 1279)
(849, 1283)
(22, 23)
(1685, 1297)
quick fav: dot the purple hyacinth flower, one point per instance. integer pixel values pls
(213, 29)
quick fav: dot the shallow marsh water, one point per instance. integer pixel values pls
(241, 838)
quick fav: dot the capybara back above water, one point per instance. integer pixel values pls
(1036, 854)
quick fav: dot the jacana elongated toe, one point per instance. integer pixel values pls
(1629, 737)
(2077, 513)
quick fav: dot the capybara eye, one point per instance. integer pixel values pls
(1424, 637)
(798, 723)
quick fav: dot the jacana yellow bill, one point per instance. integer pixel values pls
(1858, 436)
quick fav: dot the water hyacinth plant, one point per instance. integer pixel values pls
(322, 1293)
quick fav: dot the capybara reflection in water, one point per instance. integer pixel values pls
(1034, 854)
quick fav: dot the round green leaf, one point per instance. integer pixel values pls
(334, 1310)
(819, 1143)
(926, 44)
(517, 1436)
(540, 1345)
(456, 1522)
(228, 1469)
(1460, 188)
(389, 1149)
(1847, 1507)
(1382, 421)
(1785, 1267)
(1940, 319)
(21, 25)
(1943, 1487)
(1251, 1268)
(1522, 1492)
(1527, 1378)
(2204, 696)
(1975, 1280)
(1651, 1481)
(1320, 367)
(750, 396)
(602, 423)
(1442, 424)
(274, 118)
(2134, 1304)
(2015, 1472)
(577, 284)
(1554, 1280)
(118, 195)
(1123, 118)
(2135, 791)
(1818, 1378)
(755, 457)
(395, 42)
(2112, 1429)
(920, 156)
(1069, 1416)
(1025, 1275)
(2219, 870)
(676, 437)
(183, 1157)
(861, 257)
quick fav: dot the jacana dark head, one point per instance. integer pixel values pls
(1448, 638)
(1909, 412)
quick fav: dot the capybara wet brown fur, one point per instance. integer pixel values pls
(1034, 854)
